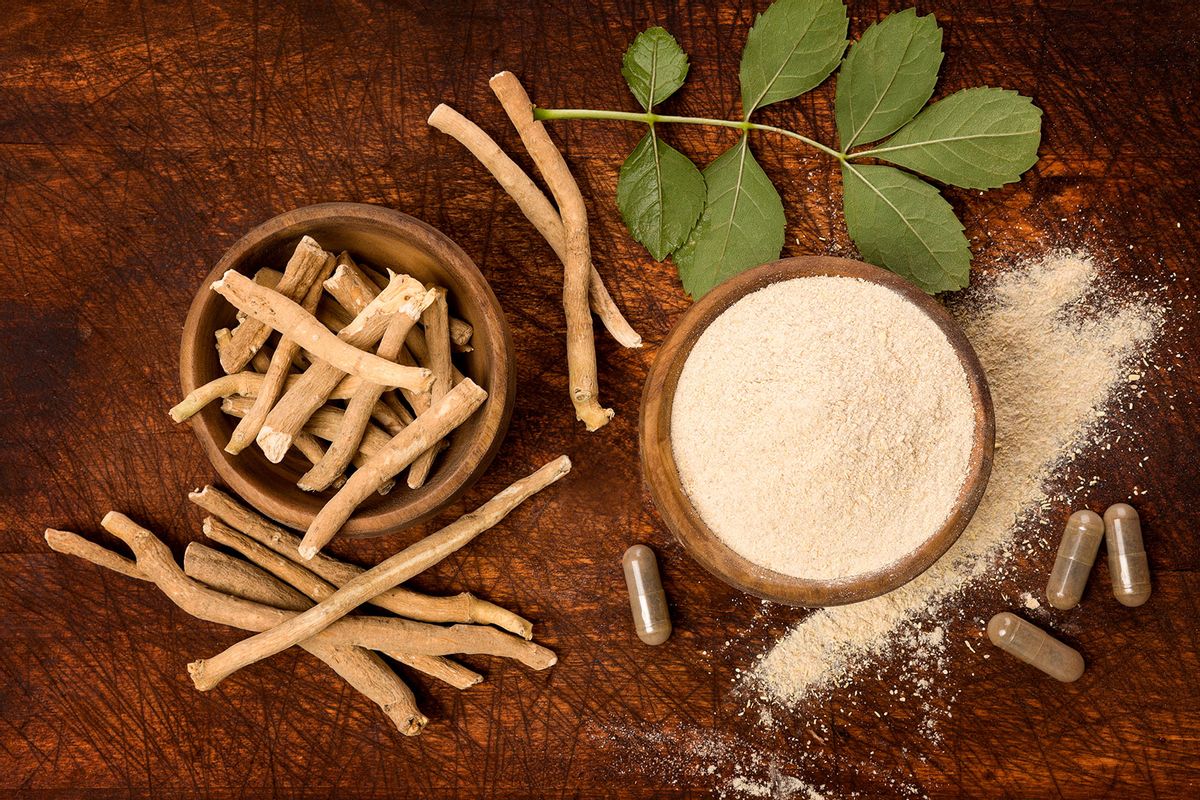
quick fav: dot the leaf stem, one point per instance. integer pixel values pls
(650, 118)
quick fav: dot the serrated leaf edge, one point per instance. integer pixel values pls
(854, 138)
(899, 214)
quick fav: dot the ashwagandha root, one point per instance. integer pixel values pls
(314, 386)
(277, 372)
(306, 262)
(426, 431)
(239, 578)
(354, 288)
(291, 320)
(323, 424)
(390, 634)
(247, 384)
(461, 331)
(359, 410)
(536, 208)
(581, 345)
(391, 414)
(235, 577)
(436, 321)
(253, 527)
(312, 449)
(307, 588)
(395, 570)
(362, 669)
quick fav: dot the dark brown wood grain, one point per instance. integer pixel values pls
(680, 515)
(139, 140)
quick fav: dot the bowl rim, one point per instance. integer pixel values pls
(700, 542)
(446, 485)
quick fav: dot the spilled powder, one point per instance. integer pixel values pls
(823, 427)
(1055, 347)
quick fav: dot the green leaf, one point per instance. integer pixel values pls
(900, 222)
(654, 66)
(978, 138)
(742, 225)
(888, 75)
(792, 47)
(661, 195)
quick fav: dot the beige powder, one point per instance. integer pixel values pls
(823, 427)
(1054, 351)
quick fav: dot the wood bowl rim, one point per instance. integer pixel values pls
(699, 541)
(447, 482)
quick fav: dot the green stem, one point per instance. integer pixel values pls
(650, 118)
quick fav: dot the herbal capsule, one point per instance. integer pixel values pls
(1128, 568)
(647, 600)
(1076, 554)
(1034, 646)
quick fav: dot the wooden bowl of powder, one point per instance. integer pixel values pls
(817, 431)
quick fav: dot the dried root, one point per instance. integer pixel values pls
(536, 208)
(405, 602)
(414, 559)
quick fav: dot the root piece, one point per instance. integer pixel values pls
(374, 633)
(427, 429)
(581, 345)
(356, 290)
(363, 670)
(461, 332)
(536, 208)
(314, 451)
(436, 320)
(303, 588)
(240, 579)
(351, 287)
(395, 570)
(306, 262)
(247, 384)
(285, 316)
(361, 406)
(253, 527)
(73, 544)
(391, 413)
(239, 383)
(277, 372)
(323, 424)
(310, 392)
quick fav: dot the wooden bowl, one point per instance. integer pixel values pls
(382, 238)
(662, 475)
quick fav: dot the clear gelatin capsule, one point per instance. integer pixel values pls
(1076, 555)
(1127, 565)
(647, 600)
(1034, 646)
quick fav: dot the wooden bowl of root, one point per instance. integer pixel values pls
(382, 238)
(806, 580)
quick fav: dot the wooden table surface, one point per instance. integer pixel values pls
(138, 140)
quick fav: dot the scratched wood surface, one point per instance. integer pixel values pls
(138, 140)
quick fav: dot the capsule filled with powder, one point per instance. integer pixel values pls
(1076, 555)
(1035, 647)
(647, 600)
(1128, 568)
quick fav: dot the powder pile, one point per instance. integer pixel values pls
(822, 427)
(1055, 351)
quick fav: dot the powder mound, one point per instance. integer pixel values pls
(1055, 344)
(823, 427)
